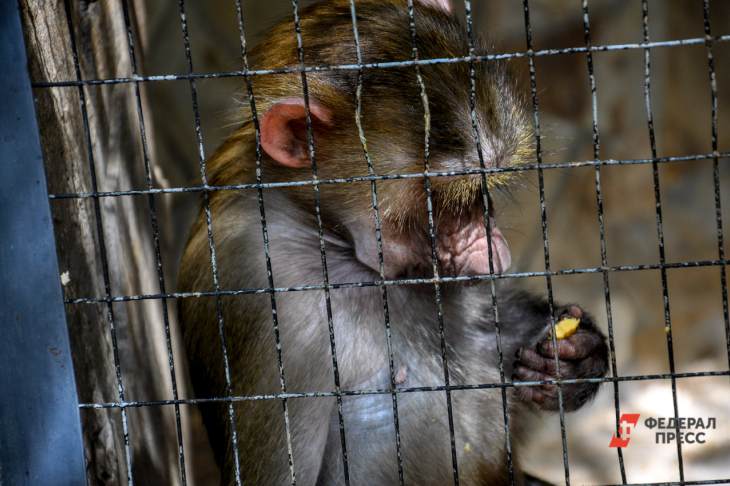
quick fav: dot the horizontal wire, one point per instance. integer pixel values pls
(677, 483)
(401, 281)
(384, 64)
(388, 391)
(385, 177)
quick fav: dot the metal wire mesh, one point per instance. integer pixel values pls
(416, 63)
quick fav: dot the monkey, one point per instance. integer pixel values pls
(321, 367)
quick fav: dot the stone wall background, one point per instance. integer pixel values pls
(682, 117)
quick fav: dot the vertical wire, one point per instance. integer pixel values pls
(660, 227)
(102, 241)
(211, 241)
(716, 172)
(543, 219)
(379, 242)
(602, 227)
(265, 235)
(432, 237)
(156, 242)
(320, 230)
(488, 229)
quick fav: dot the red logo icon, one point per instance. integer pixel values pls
(625, 425)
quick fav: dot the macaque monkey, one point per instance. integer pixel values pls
(394, 126)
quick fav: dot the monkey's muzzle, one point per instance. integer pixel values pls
(463, 247)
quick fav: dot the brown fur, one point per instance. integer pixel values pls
(393, 122)
(392, 112)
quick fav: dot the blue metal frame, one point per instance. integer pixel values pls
(40, 430)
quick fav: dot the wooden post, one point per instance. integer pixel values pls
(117, 159)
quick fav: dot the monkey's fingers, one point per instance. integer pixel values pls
(546, 396)
(546, 365)
(573, 311)
(532, 394)
(525, 373)
(574, 396)
(580, 345)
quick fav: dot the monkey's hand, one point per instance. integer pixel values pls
(582, 355)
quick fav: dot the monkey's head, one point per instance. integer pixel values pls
(394, 125)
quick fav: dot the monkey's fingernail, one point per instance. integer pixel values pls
(574, 311)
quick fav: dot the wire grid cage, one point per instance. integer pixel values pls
(124, 403)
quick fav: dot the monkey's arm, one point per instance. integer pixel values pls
(526, 344)
(582, 355)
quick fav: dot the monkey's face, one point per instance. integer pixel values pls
(460, 246)
(453, 236)
(473, 120)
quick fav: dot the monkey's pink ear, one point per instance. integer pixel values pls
(284, 130)
(442, 4)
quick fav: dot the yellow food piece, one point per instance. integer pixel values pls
(566, 327)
